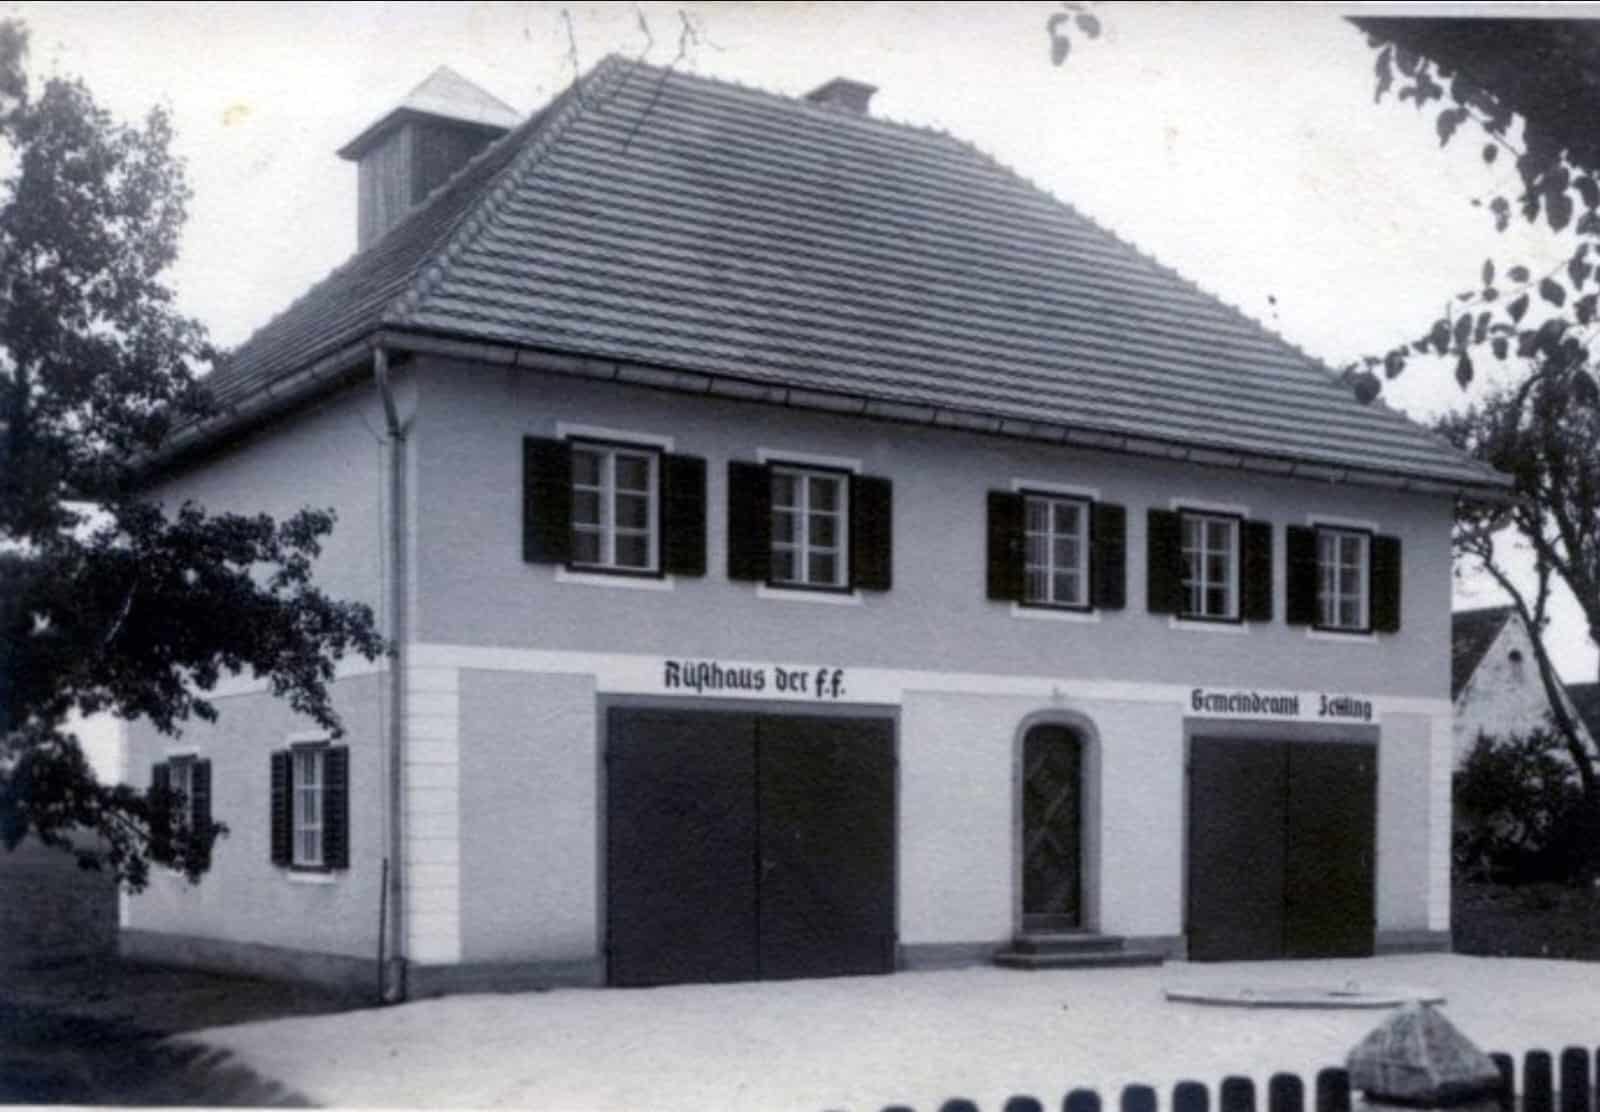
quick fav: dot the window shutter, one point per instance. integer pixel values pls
(160, 811)
(282, 826)
(1300, 605)
(546, 501)
(749, 521)
(200, 778)
(1385, 584)
(683, 515)
(1006, 562)
(336, 808)
(1255, 565)
(1164, 571)
(871, 533)
(1109, 570)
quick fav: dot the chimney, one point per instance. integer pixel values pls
(412, 149)
(843, 93)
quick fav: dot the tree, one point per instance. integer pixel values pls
(1550, 446)
(108, 601)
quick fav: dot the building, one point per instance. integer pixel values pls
(811, 549)
(1494, 679)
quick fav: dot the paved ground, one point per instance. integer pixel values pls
(98, 1031)
(862, 1043)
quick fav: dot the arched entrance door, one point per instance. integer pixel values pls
(1052, 828)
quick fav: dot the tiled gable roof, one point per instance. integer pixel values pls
(1471, 634)
(679, 222)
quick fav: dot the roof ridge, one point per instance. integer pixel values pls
(1477, 610)
(470, 223)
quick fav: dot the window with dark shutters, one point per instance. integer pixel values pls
(282, 814)
(336, 808)
(749, 521)
(1006, 556)
(871, 533)
(683, 515)
(200, 796)
(546, 501)
(1300, 604)
(1386, 584)
(1256, 569)
(1164, 563)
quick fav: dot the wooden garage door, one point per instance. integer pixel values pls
(1280, 849)
(742, 847)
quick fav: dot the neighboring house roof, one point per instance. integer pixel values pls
(1471, 634)
(663, 220)
(1586, 701)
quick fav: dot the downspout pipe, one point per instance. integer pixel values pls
(391, 949)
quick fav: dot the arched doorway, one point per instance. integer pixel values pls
(1052, 828)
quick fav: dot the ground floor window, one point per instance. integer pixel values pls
(311, 806)
(308, 783)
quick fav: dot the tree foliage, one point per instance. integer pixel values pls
(1510, 86)
(108, 600)
(1519, 814)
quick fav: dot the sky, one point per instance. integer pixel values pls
(1237, 143)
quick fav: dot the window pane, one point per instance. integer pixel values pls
(1066, 552)
(633, 511)
(1191, 532)
(585, 547)
(585, 467)
(824, 530)
(1219, 535)
(1038, 514)
(783, 489)
(633, 550)
(1037, 586)
(1216, 569)
(1350, 613)
(1216, 602)
(824, 492)
(585, 507)
(1036, 551)
(824, 569)
(783, 565)
(633, 472)
(1067, 588)
(1349, 584)
(1191, 568)
(1067, 514)
(1193, 599)
(783, 526)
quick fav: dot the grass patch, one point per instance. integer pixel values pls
(1526, 921)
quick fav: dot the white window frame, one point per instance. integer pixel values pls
(316, 757)
(802, 545)
(1205, 517)
(1329, 596)
(186, 762)
(606, 528)
(1084, 536)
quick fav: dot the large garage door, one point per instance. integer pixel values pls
(744, 846)
(1281, 841)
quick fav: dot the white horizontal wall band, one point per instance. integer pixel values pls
(637, 674)
(421, 681)
(348, 668)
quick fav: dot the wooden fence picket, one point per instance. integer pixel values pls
(1022, 1103)
(1191, 1096)
(1081, 1100)
(1333, 1090)
(1575, 1094)
(1237, 1094)
(1538, 1085)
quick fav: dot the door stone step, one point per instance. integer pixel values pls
(1071, 950)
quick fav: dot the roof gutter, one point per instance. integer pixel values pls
(727, 386)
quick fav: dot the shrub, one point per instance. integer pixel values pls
(1520, 813)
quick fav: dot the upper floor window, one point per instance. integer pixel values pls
(810, 523)
(1342, 561)
(1210, 565)
(804, 525)
(614, 507)
(1056, 551)
(1342, 577)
